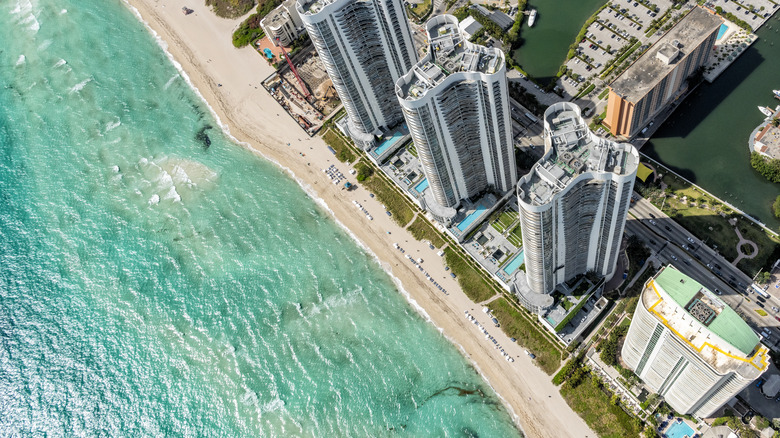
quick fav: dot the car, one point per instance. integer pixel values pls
(652, 215)
(667, 228)
(452, 274)
(652, 242)
(775, 309)
(532, 356)
(371, 195)
(653, 222)
(687, 262)
(777, 318)
(388, 213)
(691, 240)
(718, 266)
(513, 339)
(760, 304)
(720, 293)
(760, 382)
(673, 257)
(685, 247)
(446, 268)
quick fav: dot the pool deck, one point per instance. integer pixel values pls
(735, 41)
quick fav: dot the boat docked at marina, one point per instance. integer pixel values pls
(532, 18)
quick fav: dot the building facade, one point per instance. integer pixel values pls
(689, 346)
(573, 203)
(661, 74)
(282, 25)
(365, 47)
(456, 105)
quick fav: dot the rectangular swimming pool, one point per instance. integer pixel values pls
(514, 264)
(679, 430)
(422, 185)
(471, 218)
(387, 143)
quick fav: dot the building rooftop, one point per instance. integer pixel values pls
(449, 52)
(575, 150)
(308, 7)
(660, 59)
(277, 17)
(704, 322)
(470, 26)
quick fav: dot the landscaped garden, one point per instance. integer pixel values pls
(708, 219)
(517, 325)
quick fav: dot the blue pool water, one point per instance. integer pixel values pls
(387, 143)
(471, 218)
(422, 185)
(723, 29)
(514, 264)
(679, 430)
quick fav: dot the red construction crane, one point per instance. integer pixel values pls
(295, 72)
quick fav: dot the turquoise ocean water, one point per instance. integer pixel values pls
(158, 280)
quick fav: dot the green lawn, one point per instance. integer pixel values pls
(529, 335)
(504, 220)
(422, 230)
(699, 220)
(515, 237)
(421, 9)
(343, 151)
(590, 402)
(469, 278)
(766, 246)
(395, 202)
(412, 149)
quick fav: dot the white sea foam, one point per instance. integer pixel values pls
(172, 195)
(44, 45)
(22, 59)
(170, 81)
(112, 125)
(60, 63)
(155, 199)
(24, 9)
(64, 11)
(78, 87)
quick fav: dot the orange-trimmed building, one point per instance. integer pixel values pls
(690, 347)
(661, 74)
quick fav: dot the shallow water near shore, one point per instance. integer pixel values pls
(158, 279)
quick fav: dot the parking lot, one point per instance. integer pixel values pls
(623, 23)
(755, 17)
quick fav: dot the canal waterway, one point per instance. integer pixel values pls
(705, 139)
(545, 45)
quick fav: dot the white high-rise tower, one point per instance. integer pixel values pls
(688, 346)
(365, 45)
(456, 105)
(574, 201)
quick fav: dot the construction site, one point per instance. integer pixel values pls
(302, 87)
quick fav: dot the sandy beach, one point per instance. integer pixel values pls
(201, 43)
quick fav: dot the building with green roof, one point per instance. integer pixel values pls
(688, 346)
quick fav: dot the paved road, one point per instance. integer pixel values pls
(666, 238)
